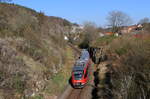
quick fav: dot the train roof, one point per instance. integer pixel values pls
(84, 55)
(79, 65)
(81, 62)
(78, 68)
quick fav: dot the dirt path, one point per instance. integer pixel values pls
(71, 93)
(80, 93)
(75, 94)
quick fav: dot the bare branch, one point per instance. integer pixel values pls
(117, 19)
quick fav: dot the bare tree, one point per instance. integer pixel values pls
(146, 24)
(117, 19)
(89, 34)
(144, 20)
(90, 31)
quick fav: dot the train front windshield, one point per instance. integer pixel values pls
(78, 75)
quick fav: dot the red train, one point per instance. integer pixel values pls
(80, 70)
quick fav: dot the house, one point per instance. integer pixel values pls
(109, 33)
(101, 34)
(129, 29)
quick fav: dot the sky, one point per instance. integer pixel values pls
(80, 11)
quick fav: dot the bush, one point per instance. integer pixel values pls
(31, 43)
(132, 73)
(37, 97)
(104, 40)
(146, 27)
(18, 84)
(90, 33)
(121, 51)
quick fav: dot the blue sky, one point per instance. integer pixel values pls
(96, 11)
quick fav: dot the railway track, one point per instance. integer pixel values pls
(91, 90)
(78, 51)
(71, 93)
(75, 94)
(84, 93)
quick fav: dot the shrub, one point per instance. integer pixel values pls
(121, 51)
(146, 27)
(132, 73)
(18, 84)
(105, 40)
(37, 97)
(31, 43)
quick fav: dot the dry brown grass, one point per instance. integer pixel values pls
(132, 71)
(61, 79)
(32, 49)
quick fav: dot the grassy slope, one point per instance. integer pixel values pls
(130, 65)
(132, 69)
(32, 51)
(60, 80)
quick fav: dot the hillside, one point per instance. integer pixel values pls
(126, 72)
(32, 50)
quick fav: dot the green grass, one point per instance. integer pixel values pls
(104, 40)
(60, 80)
(107, 39)
(121, 51)
(37, 97)
(18, 84)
